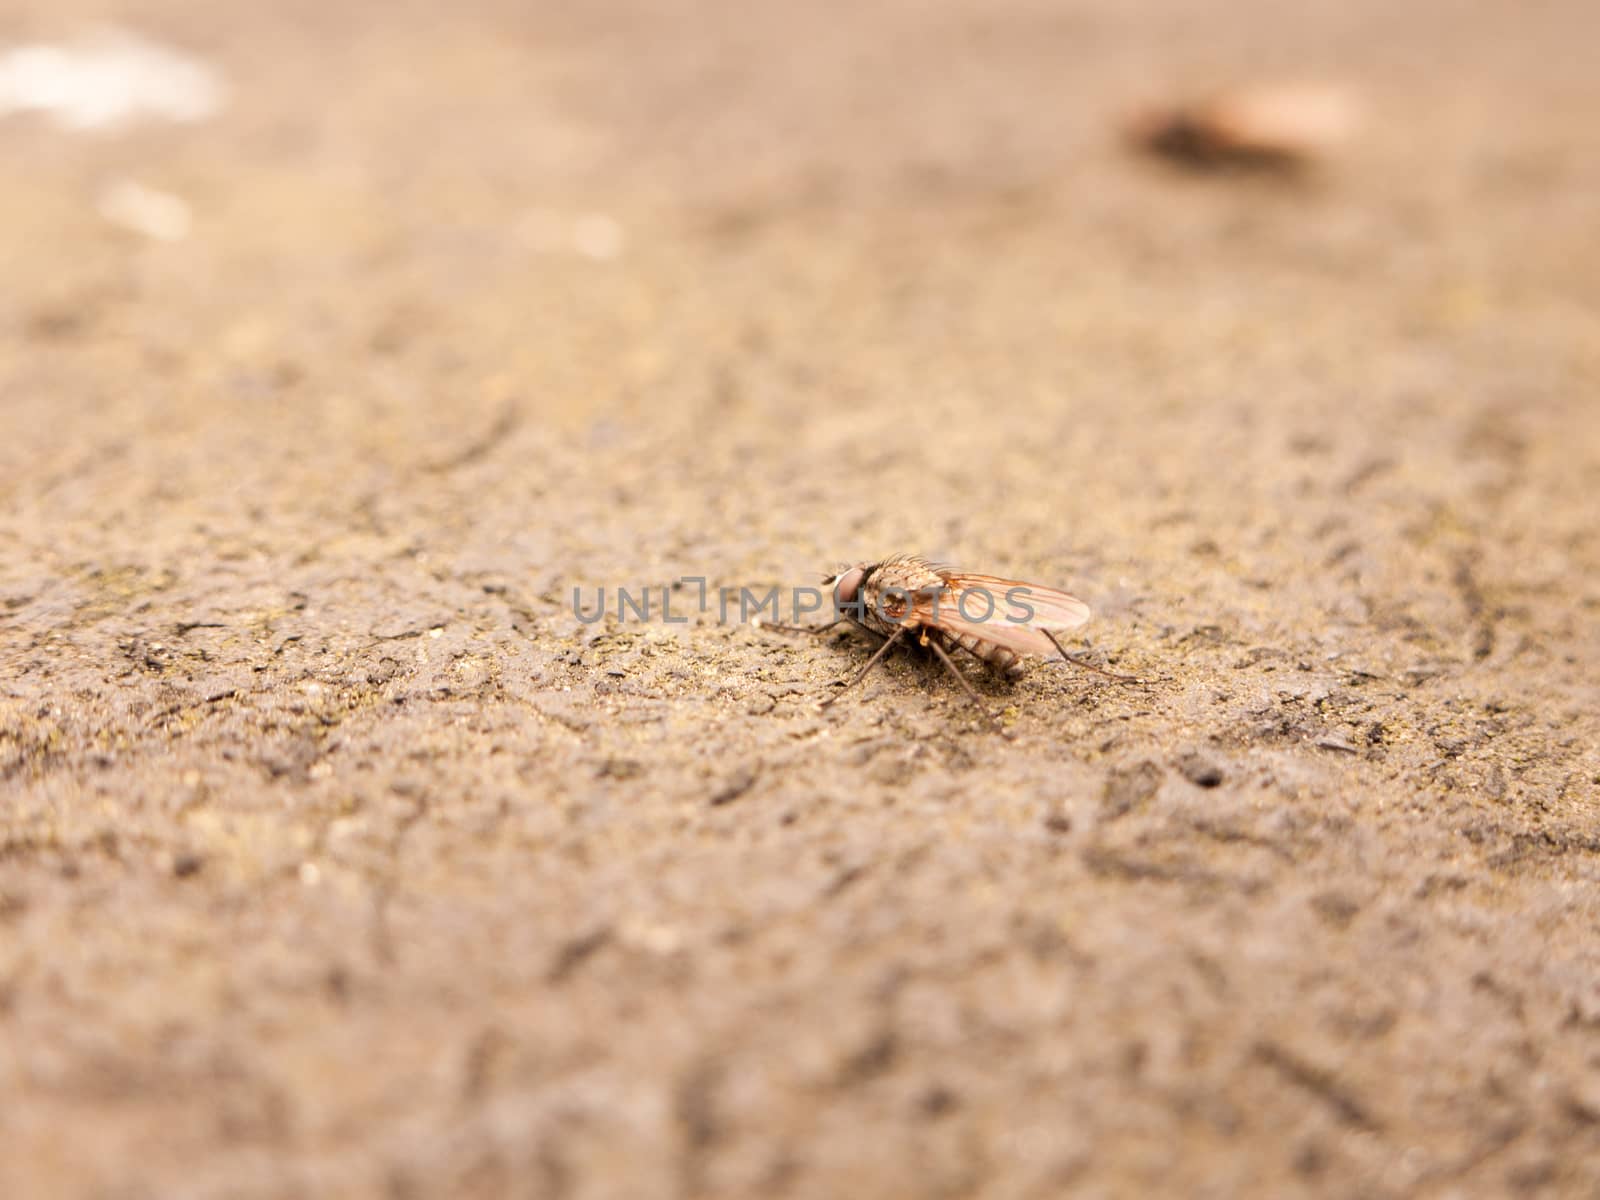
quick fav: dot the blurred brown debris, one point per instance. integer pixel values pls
(1274, 127)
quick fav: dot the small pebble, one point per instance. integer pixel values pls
(1199, 771)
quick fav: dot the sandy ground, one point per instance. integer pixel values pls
(338, 857)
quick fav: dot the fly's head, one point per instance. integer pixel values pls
(847, 582)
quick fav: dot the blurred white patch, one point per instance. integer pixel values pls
(597, 236)
(591, 235)
(131, 205)
(107, 80)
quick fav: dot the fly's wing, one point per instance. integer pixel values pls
(1007, 612)
(1052, 608)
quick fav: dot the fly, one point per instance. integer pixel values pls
(998, 621)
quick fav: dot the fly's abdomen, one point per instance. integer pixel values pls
(998, 657)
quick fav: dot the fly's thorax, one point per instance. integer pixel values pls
(906, 572)
(889, 589)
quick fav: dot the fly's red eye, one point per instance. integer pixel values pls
(849, 585)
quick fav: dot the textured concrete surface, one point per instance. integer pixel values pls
(337, 857)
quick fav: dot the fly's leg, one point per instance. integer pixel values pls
(777, 628)
(888, 644)
(882, 637)
(962, 680)
(1067, 658)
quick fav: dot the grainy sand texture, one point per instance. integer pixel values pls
(339, 857)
